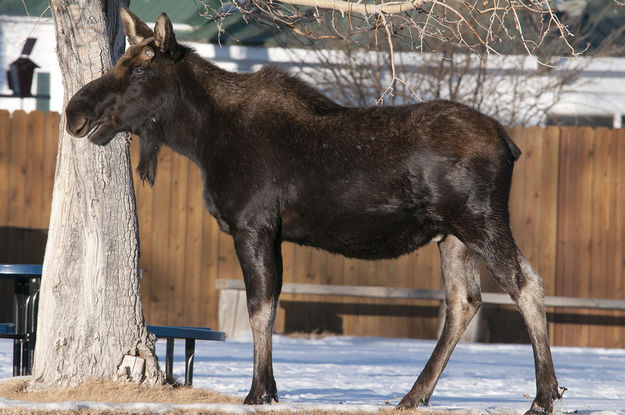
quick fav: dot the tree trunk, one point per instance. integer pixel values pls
(90, 311)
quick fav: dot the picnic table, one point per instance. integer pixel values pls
(23, 328)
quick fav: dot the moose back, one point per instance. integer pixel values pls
(281, 162)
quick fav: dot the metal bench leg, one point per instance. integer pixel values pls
(189, 354)
(17, 357)
(169, 359)
(29, 352)
(31, 320)
(26, 357)
(19, 299)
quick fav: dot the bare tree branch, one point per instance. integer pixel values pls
(364, 9)
(476, 26)
(455, 48)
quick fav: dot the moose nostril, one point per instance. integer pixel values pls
(78, 125)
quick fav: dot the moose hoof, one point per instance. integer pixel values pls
(253, 400)
(409, 403)
(536, 410)
(260, 399)
(544, 405)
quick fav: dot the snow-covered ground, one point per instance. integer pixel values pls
(370, 373)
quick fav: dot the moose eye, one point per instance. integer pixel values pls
(139, 70)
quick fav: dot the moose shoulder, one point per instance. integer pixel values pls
(281, 162)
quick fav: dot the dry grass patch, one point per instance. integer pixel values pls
(383, 411)
(114, 392)
(205, 412)
(129, 393)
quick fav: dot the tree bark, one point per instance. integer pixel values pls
(90, 310)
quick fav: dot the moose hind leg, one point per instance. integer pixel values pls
(461, 282)
(515, 274)
(261, 262)
(531, 305)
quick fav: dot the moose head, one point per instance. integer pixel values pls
(134, 94)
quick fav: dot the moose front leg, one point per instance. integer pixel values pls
(261, 261)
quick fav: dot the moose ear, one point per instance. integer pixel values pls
(164, 34)
(134, 28)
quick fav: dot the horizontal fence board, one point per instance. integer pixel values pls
(422, 294)
(343, 290)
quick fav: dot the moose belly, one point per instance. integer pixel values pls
(360, 235)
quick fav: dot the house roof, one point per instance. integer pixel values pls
(187, 11)
(232, 30)
(33, 8)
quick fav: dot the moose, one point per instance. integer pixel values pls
(282, 162)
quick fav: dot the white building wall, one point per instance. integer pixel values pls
(599, 91)
(13, 33)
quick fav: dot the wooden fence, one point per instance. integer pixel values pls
(567, 212)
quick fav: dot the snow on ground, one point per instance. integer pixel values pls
(364, 373)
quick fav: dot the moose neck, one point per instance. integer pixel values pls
(202, 91)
